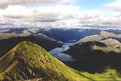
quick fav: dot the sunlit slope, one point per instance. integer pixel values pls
(30, 61)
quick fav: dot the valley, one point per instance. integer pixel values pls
(60, 40)
(91, 56)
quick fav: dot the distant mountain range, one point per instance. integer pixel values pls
(101, 36)
(59, 34)
(63, 35)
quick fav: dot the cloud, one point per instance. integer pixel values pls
(57, 16)
(5, 3)
(100, 19)
(22, 14)
(116, 5)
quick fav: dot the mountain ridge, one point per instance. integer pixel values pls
(45, 42)
(102, 35)
(29, 61)
(95, 56)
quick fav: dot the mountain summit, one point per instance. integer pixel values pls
(30, 61)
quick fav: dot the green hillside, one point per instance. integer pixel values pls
(107, 75)
(30, 61)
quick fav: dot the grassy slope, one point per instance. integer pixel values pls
(107, 75)
(28, 60)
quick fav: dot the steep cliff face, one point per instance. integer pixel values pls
(30, 61)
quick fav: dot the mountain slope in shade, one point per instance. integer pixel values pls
(95, 56)
(30, 61)
(42, 40)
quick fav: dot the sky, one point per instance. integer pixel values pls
(93, 4)
(60, 13)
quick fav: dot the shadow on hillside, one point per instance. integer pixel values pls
(93, 61)
(7, 44)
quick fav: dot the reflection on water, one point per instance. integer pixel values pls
(58, 52)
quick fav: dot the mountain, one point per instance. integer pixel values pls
(95, 56)
(107, 75)
(60, 34)
(111, 45)
(102, 35)
(97, 60)
(30, 61)
(68, 35)
(42, 40)
(7, 33)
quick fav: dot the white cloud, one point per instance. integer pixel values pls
(5, 3)
(99, 18)
(116, 5)
(57, 15)
(22, 14)
(16, 11)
